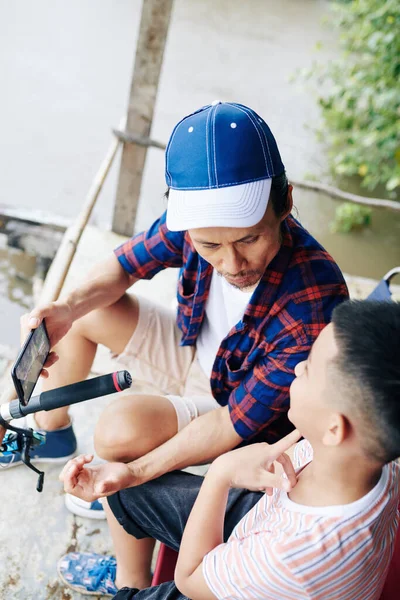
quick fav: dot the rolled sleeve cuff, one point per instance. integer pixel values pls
(124, 262)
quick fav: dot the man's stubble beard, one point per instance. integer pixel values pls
(247, 288)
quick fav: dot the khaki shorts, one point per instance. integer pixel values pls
(153, 356)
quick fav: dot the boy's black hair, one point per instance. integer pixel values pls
(279, 194)
(368, 364)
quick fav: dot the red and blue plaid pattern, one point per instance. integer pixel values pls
(293, 302)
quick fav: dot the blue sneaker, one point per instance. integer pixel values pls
(59, 446)
(88, 573)
(89, 510)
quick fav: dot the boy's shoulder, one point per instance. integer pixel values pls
(337, 547)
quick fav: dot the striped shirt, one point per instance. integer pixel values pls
(255, 362)
(286, 551)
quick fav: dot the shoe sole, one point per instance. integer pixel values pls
(80, 511)
(80, 589)
(34, 461)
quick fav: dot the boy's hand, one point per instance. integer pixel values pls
(91, 483)
(253, 467)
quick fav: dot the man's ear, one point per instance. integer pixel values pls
(337, 430)
(289, 203)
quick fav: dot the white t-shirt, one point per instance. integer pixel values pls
(225, 307)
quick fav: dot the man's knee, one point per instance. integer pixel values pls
(112, 326)
(115, 436)
(134, 425)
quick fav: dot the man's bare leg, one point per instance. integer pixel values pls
(112, 326)
(133, 556)
(132, 426)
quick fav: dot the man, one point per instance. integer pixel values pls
(254, 291)
(326, 532)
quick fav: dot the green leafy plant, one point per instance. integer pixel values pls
(359, 93)
(349, 217)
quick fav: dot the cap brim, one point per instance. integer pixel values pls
(233, 206)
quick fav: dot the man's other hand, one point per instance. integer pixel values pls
(91, 483)
(253, 467)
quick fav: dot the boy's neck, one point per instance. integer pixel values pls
(330, 480)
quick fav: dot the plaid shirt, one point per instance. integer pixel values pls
(254, 366)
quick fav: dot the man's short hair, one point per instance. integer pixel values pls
(367, 372)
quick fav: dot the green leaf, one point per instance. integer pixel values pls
(359, 93)
(393, 183)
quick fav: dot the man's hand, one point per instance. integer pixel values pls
(59, 321)
(91, 483)
(253, 467)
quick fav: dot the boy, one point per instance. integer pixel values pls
(327, 530)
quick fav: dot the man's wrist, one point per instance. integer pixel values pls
(74, 304)
(138, 473)
(154, 464)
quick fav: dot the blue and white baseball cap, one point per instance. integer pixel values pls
(219, 165)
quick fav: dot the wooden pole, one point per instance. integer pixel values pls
(149, 56)
(62, 261)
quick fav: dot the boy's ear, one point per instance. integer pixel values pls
(337, 430)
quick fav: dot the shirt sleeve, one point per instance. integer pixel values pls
(249, 569)
(151, 251)
(263, 395)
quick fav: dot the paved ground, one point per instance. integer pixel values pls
(36, 529)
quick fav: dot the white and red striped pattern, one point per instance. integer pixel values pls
(285, 551)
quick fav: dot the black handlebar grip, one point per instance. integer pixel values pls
(84, 390)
